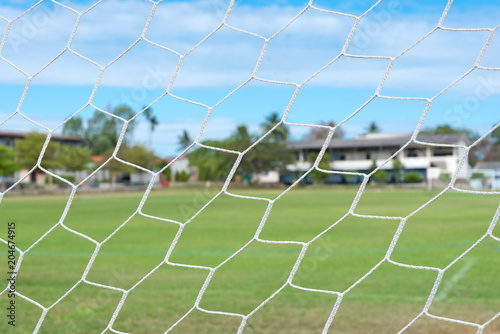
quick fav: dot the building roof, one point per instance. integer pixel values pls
(488, 165)
(97, 158)
(12, 134)
(170, 159)
(382, 140)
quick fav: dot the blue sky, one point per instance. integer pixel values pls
(224, 61)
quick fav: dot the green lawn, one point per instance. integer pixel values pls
(384, 302)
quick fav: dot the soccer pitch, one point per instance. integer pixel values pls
(384, 302)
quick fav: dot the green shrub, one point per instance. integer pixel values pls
(477, 176)
(412, 177)
(168, 174)
(70, 178)
(380, 176)
(444, 176)
(351, 178)
(183, 176)
(320, 177)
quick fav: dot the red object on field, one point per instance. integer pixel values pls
(165, 184)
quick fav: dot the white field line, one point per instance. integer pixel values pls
(450, 284)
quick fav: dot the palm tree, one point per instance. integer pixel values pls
(373, 128)
(184, 140)
(148, 113)
(321, 133)
(125, 112)
(241, 133)
(153, 122)
(280, 133)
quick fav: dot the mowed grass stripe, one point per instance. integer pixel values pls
(388, 299)
(261, 251)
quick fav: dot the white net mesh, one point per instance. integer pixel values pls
(259, 72)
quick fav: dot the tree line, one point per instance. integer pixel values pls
(101, 132)
(99, 136)
(269, 154)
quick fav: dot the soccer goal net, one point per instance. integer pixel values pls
(236, 166)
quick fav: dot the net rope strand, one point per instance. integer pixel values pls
(239, 155)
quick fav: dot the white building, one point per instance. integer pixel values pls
(443, 155)
(490, 172)
(182, 165)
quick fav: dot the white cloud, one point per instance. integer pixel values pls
(228, 57)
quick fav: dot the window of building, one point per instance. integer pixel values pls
(442, 151)
(297, 156)
(412, 153)
(337, 156)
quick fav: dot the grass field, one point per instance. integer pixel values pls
(382, 303)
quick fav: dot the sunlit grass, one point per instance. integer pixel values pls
(384, 302)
